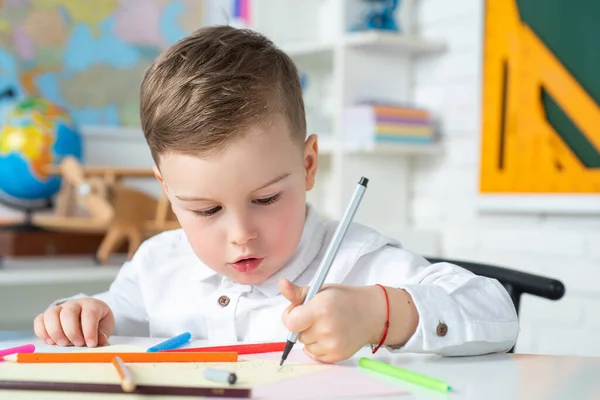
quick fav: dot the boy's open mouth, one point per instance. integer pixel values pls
(246, 264)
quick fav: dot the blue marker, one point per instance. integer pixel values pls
(172, 343)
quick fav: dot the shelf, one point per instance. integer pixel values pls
(371, 41)
(311, 54)
(327, 147)
(391, 42)
(312, 49)
(400, 149)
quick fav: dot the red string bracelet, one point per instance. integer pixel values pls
(387, 320)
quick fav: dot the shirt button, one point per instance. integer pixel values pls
(223, 301)
(442, 329)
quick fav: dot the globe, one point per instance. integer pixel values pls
(34, 133)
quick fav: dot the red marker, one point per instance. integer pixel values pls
(254, 348)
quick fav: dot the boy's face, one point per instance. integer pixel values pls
(243, 209)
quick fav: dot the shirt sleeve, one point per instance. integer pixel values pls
(460, 313)
(124, 298)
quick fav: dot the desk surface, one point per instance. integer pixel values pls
(497, 376)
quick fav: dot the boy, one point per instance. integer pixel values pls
(223, 115)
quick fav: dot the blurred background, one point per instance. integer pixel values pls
(476, 121)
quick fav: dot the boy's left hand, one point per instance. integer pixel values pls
(337, 322)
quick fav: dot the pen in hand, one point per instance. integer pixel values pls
(327, 260)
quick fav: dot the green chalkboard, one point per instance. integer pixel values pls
(570, 29)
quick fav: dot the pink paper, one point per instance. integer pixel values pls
(338, 381)
(333, 383)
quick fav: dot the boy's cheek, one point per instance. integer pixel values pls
(286, 226)
(206, 244)
(289, 217)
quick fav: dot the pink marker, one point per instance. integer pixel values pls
(26, 348)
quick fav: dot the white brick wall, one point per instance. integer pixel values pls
(564, 247)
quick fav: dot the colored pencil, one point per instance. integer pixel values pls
(126, 357)
(26, 348)
(127, 381)
(112, 388)
(171, 344)
(404, 374)
(254, 348)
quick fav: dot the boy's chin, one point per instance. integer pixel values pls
(249, 278)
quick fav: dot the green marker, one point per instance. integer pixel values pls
(408, 376)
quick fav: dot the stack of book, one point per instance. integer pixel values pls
(376, 123)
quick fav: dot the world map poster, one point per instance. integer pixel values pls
(89, 56)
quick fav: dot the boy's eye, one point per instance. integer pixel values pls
(263, 202)
(207, 213)
(268, 200)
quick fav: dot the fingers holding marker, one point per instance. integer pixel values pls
(324, 354)
(295, 294)
(307, 337)
(299, 319)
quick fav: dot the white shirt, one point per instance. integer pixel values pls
(166, 290)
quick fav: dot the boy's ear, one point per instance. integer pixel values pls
(311, 153)
(158, 176)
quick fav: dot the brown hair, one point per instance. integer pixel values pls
(208, 88)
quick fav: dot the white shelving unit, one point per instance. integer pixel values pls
(343, 66)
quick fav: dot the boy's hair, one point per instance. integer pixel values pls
(208, 88)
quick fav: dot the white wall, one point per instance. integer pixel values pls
(564, 247)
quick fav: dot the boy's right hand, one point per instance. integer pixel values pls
(80, 322)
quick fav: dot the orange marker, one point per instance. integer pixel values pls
(126, 357)
(127, 381)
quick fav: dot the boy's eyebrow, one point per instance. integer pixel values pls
(271, 182)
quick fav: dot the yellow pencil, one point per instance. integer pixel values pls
(127, 382)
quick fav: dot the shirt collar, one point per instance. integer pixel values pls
(308, 248)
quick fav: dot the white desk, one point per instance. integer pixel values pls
(491, 377)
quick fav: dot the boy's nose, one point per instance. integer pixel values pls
(241, 232)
